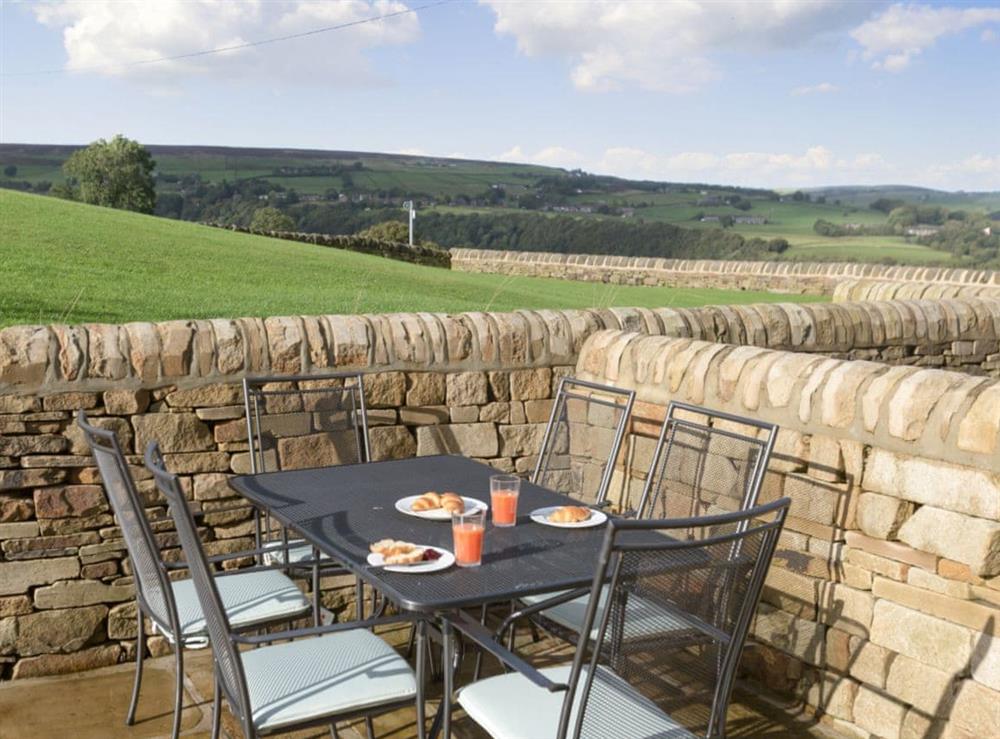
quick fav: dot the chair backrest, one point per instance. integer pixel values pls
(229, 667)
(681, 597)
(297, 421)
(706, 462)
(582, 439)
(153, 591)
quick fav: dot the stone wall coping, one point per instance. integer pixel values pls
(901, 273)
(880, 289)
(930, 413)
(59, 358)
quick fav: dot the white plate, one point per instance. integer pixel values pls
(540, 515)
(437, 514)
(446, 560)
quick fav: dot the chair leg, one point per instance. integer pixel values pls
(140, 648)
(369, 727)
(317, 615)
(479, 652)
(179, 690)
(419, 632)
(333, 731)
(359, 596)
(216, 709)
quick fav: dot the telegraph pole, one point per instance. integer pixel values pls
(413, 214)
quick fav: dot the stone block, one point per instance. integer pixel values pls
(104, 655)
(928, 689)
(495, 413)
(72, 593)
(913, 401)
(954, 487)
(16, 508)
(126, 402)
(464, 414)
(71, 500)
(800, 638)
(978, 429)
(222, 413)
(891, 550)
(18, 530)
(929, 640)
(531, 384)
(385, 389)
(977, 709)
(189, 463)
(469, 439)
(869, 662)
(930, 581)
(973, 541)
(24, 355)
(424, 416)
(826, 460)
(212, 486)
(316, 450)
(30, 478)
(18, 446)
(986, 660)
(833, 695)
(63, 630)
(521, 440)
(391, 442)
(846, 608)
(878, 713)
(120, 426)
(17, 577)
(467, 388)
(174, 432)
(499, 382)
(15, 605)
(425, 388)
(880, 516)
(70, 401)
(979, 617)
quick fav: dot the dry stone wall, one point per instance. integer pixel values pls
(882, 609)
(875, 289)
(791, 277)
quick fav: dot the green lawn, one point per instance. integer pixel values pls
(73, 263)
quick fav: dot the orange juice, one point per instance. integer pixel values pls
(504, 505)
(468, 543)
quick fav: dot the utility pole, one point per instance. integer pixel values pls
(413, 214)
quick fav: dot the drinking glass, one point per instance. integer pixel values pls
(467, 530)
(504, 490)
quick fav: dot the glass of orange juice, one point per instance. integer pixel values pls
(504, 490)
(467, 530)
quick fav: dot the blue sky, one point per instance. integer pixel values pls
(771, 93)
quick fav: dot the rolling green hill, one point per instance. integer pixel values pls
(74, 263)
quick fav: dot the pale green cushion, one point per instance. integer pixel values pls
(298, 551)
(641, 617)
(510, 706)
(309, 679)
(248, 597)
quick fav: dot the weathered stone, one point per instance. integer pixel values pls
(531, 384)
(16, 509)
(801, 638)
(467, 389)
(869, 662)
(17, 446)
(499, 386)
(977, 709)
(19, 530)
(71, 593)
(923, 687)
(425, 388)
(315, 450)
(974, 541)
(924, 638)
(978, 429)
(99, 570)
(47, 546)
(986, 660)
(391, 442)
(106, 355)
(979, 617)
(285, 343)
(424, 416)
(385, 389)
(957, 488)
(206, 396)
(72, 500)
(174, 432)
(520, 440)
(229, 345)
(64, 630)
(24, 355)
(17, 577)
(469, 439)
(891, 550)
(880, 516)
(189, 463)
(212, 486)
(61, 664)
(913, 401)
(123, 621)
(878, 713)
(846, 608)
(464, 414)
(120, 426)
(176, 346)
(222, 413)
(930, 581)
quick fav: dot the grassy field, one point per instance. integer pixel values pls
(73, 263)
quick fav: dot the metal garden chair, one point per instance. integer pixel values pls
(250, 597)
(582, 439)
(345, 672)
(631, 676)
(704, 462)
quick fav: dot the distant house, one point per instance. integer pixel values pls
(922, 229)
(709, 219)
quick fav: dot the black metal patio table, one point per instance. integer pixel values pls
(341, 510)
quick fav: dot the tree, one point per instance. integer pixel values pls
(10, 171)
(271, 219)
(388, 231)
(115, 174)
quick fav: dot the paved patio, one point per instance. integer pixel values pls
(92, 704)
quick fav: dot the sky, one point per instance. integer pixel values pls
(774, 93)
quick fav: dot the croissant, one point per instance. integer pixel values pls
(388, 546)
(424, 504)
(414, 555)
(569, 514)
(452, 503)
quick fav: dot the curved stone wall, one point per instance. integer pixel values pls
(882, 608)
(854, 290)
(791, 277)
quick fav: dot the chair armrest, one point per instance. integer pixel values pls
(471, 628)
(319, 630)
(544, 605)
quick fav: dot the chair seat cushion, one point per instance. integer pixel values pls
(298, 551)
(309, 679)
(248, 597)
(641, 616)
(510, 706)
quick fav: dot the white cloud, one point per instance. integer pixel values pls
(822, 88)
(664, 46)
(103, 35)
(988, 36)
(891, 40)
(976, 172)
(550, 156)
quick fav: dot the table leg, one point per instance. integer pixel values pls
(448, 666)
(419, 629)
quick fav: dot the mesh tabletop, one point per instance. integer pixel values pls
(341, 510)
